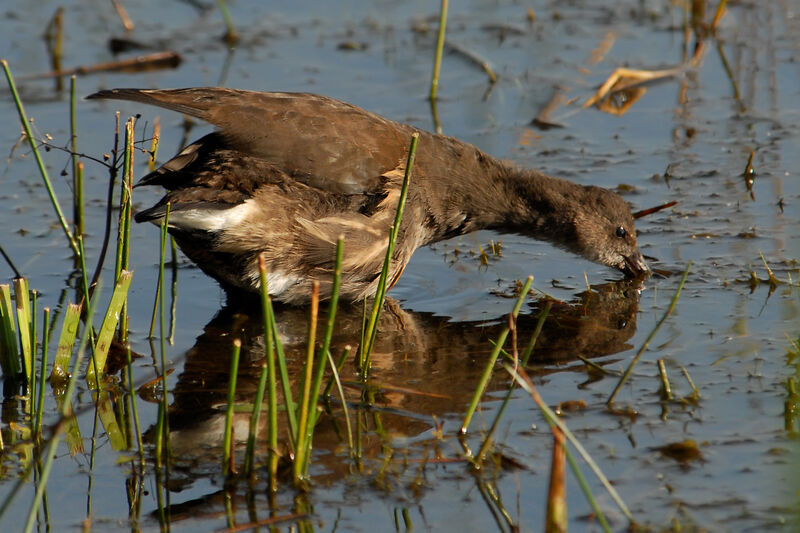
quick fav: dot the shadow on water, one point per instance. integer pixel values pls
(424, 367)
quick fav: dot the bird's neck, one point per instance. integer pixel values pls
(502, 197)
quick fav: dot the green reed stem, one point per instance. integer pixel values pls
(231, 36)
(255, 418)
(84, 275)
(380, 293)
(42, 169)
(160, 283)
(523, 362)
(164, 400)
(437, 61)
(632, 364)
(85, 285)
(335, 377)
(124, 227)
(37, 426)
(526, 355)
(173, 306)
(77, 166)
(322, 355)
(329, 326)
(303, 441)
(487, 373)
(339, 365)
(587, 491)
(124, 235)
(227, 446)
(122, 197)
(159, 435)
(33, 310)
(134, 408)
(272, 400)
(154, 315)
(524, 381)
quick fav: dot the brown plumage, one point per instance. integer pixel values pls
(285, 174)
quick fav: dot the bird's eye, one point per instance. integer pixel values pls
(621, 232)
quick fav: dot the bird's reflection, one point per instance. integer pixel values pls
(424, 366)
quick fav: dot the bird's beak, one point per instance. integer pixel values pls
(635, 265)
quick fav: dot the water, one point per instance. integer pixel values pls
(687, 140)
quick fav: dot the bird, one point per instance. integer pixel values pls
(285, 175)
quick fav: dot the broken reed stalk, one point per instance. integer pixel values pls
(695, 393)
(127, 23)
(54, 41)
(552, 419)
(40, 163)
(437, 60)
(155, 60)
(629, 370)
(77, 166)
(69, 331)
(227, 445)
(487, 373)
(151, 163)
(556, 520)
(380, 293)
(23, 311)
(106, 334)
(272, 388)
(666, 389)
(10, 360)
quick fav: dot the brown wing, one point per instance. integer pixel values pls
(325, 143)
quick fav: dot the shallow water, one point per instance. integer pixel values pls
(687, 139)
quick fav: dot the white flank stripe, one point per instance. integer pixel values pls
(278, 282)
(209, 219)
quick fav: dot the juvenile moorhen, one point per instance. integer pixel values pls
(285, 174)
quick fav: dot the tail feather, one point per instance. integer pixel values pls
(192, 102)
